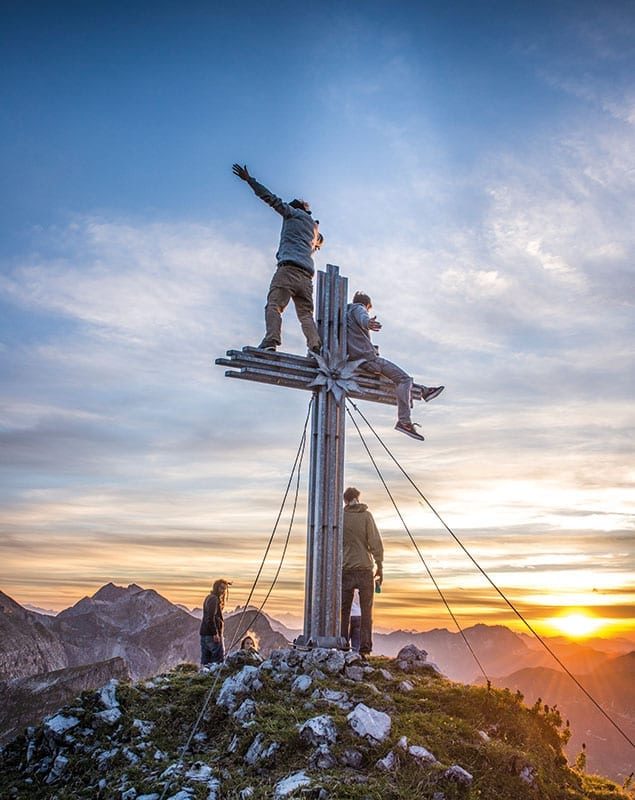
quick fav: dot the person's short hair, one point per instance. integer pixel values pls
(303, 205)
(351, 494)
(363, 298)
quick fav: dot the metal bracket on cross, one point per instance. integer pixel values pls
(332, 378)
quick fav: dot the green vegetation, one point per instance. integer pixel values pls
(513, 752)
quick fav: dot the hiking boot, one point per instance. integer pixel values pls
(430, 392)
(409, 429)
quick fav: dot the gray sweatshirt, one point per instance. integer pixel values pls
(358, 333)
(299, 234)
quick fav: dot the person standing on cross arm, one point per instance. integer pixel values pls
(359, 324)
(211, 630)
(293, 279)
(361, 545)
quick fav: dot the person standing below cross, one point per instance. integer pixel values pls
(211, 630)
(293, 279)
(359, 324)
(361, 544)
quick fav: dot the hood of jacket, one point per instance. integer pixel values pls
(356, 508)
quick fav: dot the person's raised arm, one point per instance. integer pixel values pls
(284, 209)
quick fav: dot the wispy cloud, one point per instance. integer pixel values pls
(505, 274)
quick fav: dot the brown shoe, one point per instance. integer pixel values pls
(430, 392)
(409, 429)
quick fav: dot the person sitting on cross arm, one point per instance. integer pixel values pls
(359, 324)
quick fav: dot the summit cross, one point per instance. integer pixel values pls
(332, 379)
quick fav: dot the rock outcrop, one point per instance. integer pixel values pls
(25, 701)
(295, 725)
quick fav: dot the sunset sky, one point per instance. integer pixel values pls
(472, 165)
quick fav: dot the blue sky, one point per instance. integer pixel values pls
(473, 169)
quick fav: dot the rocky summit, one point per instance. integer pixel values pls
(313, 724)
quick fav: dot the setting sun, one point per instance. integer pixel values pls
(577, 624)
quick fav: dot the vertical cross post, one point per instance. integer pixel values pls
(323, 583)
(322, 597)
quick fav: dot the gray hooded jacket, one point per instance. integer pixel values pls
(299, 234)
(358, 333)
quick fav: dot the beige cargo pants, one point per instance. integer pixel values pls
(290, 282)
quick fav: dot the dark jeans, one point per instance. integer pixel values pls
(361, 579)
(212, 652)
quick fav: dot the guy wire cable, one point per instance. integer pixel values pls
(296, 464)
(499, 591)
(423, 561)
(298, 455)
(286, 543)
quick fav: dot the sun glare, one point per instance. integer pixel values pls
(577, 624)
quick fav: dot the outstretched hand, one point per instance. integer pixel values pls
(241, 172)
(374, 324)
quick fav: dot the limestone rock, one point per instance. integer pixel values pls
(421, 754)
(199, 772)
(144, 727)
(459, 775)
(257, 752)
(369, 723)
(110, 715)
(319, 730)
(288, 785)
(245, 711)
(302, 684)
(108, 694)
(352, 758)
(410, 658)
(57, 770)
(242, 682)
(354, 673)
(322, 758)
(528, 775)
(388, 762)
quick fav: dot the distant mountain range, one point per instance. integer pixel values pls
(138, 632)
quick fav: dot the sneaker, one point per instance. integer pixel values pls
(315, 350)
(409, 429)
(430, 392)
(269, 348)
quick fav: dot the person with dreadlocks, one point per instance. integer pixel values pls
(211, 630)
(293, 279)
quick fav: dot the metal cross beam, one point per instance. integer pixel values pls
(327, 377)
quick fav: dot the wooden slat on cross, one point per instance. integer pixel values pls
(326, 474)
